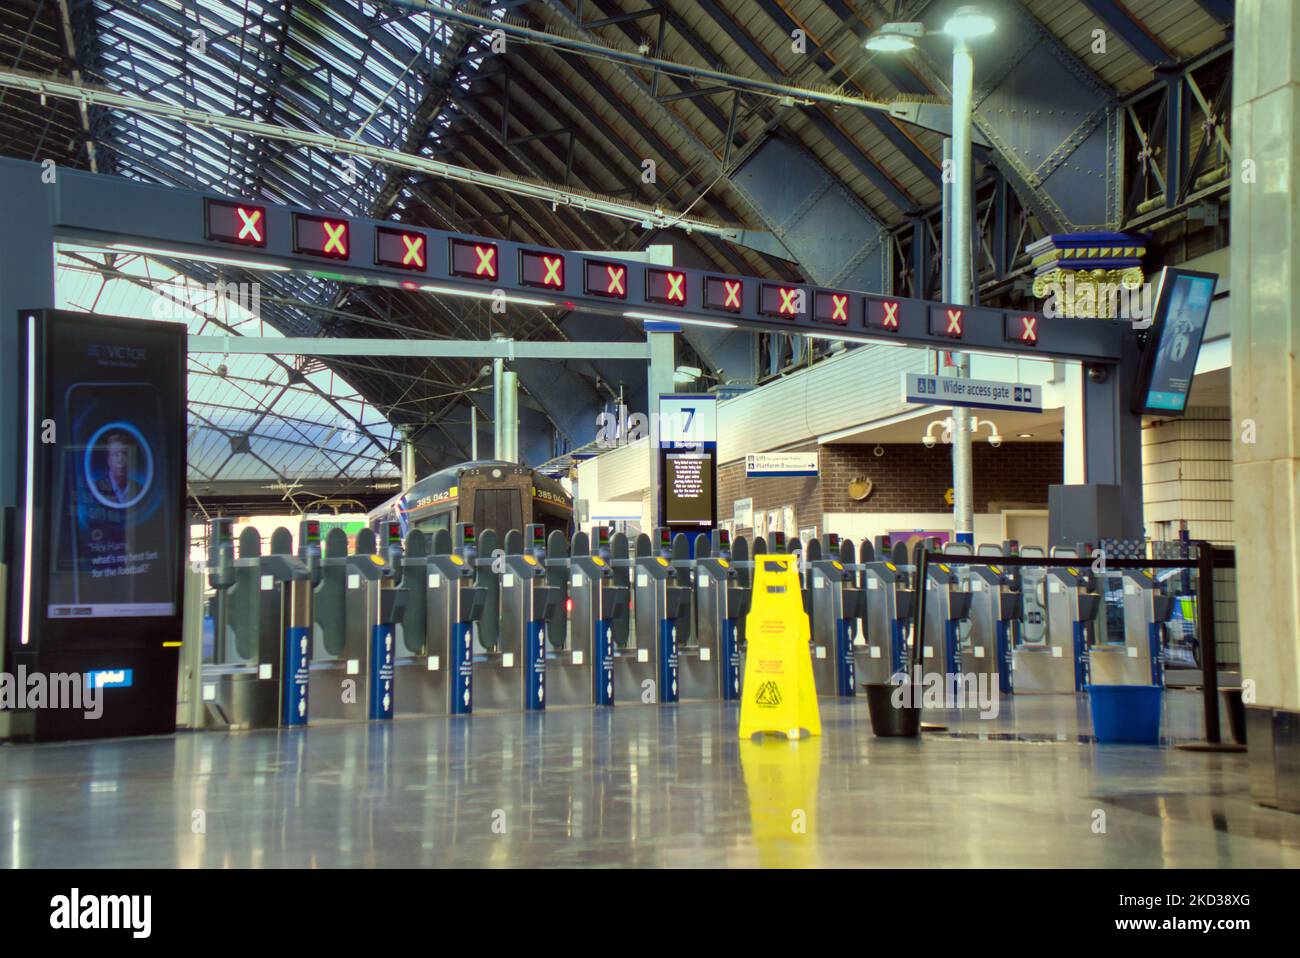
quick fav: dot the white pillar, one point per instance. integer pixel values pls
(1266, 346)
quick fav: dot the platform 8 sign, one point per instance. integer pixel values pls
(980, 393)
(780, 464)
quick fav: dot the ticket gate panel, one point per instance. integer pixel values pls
(525, 600)
(946, 606)
(834, 608)
(339, 683)
(710, 664)
(262, 622)
(1139, 660)
(647, 667)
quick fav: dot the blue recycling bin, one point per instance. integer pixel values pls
(1128, 714)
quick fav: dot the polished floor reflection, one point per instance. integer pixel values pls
(643, 786)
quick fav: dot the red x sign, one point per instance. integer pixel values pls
(487, 261)
(615, 275)
(249, 229)
(677, 287)
(840, 307)
(336, 238)
(413, 254)
(954, 322)
(891, 315)
(554, 271)
(1029, 330)
(789, 302)
(732, 288)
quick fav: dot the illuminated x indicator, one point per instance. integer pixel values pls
(336, 238)
(541, 269)
(722, 293)
(1029, 330)
(602, 278)
(666, 286)
(474, 260)
(250, 229)
(954, 322)
(413, 250)
(840, 307)
(788, 304)
(318, 236)
(891, 315)
(236, 222)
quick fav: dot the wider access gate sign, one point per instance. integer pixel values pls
(980, 393)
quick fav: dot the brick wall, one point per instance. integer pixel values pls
(907, 477)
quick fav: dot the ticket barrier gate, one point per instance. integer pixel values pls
(1140, 659)
(527, 602)
(434, 672)
(347, 615)
(649, 654)
(947, 608)
(887, 610)
(834, 610)
(1059, 661)
(710, 660)
(994, 605)
(597, 600)
(262, 623)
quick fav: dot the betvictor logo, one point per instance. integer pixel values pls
(77, 911)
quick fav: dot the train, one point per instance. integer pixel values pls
(490, 493)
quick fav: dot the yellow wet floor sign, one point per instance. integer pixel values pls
(778, 695)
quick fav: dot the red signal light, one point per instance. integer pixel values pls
(240, 223)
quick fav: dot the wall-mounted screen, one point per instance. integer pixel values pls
(1177, 327)
(689, 488)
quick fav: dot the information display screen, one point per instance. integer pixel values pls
(1178, 326)
(689, 488)
(115, 471)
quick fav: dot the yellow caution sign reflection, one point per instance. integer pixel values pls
(778, 695)
(781, 780)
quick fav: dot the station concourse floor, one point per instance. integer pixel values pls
(643, 786)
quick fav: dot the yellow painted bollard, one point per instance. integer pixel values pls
(778, 695)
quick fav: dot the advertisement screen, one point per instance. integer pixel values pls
(115, 469)
(689, 490)
(1182, 311)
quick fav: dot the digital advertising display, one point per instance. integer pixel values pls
(114, 474)
(1178, 325)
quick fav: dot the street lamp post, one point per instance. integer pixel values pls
(966, 23)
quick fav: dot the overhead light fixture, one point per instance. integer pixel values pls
(895, 37)
(479, 294)
(840, 337)
(684, 320)
(969, 22)
(199, 257)
(1024, 435)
